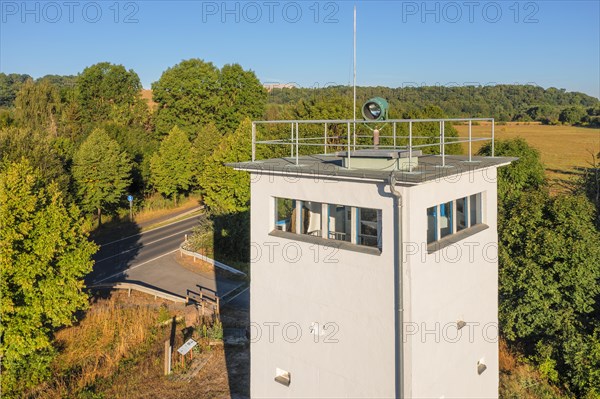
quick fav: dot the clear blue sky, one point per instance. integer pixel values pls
(548, 43)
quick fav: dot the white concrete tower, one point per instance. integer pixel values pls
(374, 270)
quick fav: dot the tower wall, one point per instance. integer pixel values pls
(458, 282)
(353, 355)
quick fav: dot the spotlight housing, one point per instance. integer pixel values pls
(375, 109)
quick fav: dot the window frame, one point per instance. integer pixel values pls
(471, 201)
(353, 239)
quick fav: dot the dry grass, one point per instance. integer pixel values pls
(149, 214)
(117, 351)
(563, 148)
(226, 373)
(113, 331)
(519, 380)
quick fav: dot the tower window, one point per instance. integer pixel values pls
(432, 230)
(285, 212)
(446, 227)
(339, 222)
(451, 217)
(359, 226)
(369, 227)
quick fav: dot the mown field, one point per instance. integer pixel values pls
(564, 149)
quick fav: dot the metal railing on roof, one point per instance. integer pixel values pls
(349, 135)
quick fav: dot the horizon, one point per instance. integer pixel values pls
(552, 44)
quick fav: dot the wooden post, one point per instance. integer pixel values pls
(218, 310)
(167, 358)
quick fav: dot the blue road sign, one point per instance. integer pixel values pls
(130, 198)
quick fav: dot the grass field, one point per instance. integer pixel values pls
(563, 148)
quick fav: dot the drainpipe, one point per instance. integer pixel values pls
(399, 308)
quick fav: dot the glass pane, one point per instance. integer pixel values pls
(285, 219)
(339, 220)
(311, 218)
(445, 219)
(432, 224)
(461, 214)
(369, 227)
(475, 209)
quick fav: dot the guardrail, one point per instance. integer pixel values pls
(201, 297)
(351, 140)
(141, 288)
(210, 261)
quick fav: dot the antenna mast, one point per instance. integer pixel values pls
(354, 81)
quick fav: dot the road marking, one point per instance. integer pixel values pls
(143, 245)
(134, 267)
(156, 228)
(236, 295)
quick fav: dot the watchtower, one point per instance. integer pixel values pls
(374, 264)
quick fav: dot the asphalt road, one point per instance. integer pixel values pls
(131, 252)
(150, 259)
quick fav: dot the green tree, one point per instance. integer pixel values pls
(194, 93)
(543, 113)
(549, 256)
(525, 173)
(39, 149)
(101, 171)
(550, 265)
(9, 87)
(38, 106)
(140, 144)
(204, 144)
(571, 115)
(44, 255)
(225, 190)
(241, 96)
(109, 92)
(171, 167)
(187, 96)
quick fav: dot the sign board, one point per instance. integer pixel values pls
(185, 348)
(130, 198)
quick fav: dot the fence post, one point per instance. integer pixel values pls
(470, 142)
(440, 137)
(253, 141)
(292, 141)
(493, 126)
(443, 145)
(297, 143)
(167, 365)
(354, 135)
(410, 146)
(325, 137)
(348, 137)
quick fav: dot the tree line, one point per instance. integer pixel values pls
(519, 103)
